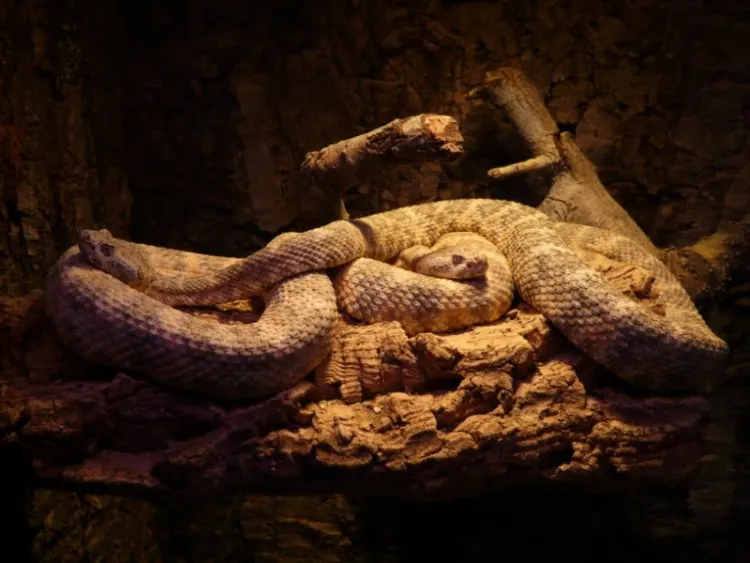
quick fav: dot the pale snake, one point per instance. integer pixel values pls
(108, 322)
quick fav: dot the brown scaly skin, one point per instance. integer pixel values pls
(136, 330)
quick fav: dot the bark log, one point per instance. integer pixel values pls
(502, 414)
(576, 194)
(387, 414)
(326, 175)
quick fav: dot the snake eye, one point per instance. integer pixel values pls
(457, 259)
(107, 249)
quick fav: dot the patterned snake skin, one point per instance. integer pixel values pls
(111, 323)
(373, 291)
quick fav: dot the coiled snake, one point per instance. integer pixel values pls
(130, 322)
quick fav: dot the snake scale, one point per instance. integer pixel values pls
(136, 327)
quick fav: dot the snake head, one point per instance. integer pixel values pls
(453, 263)
(116, 257)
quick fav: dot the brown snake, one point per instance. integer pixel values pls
(135, 328)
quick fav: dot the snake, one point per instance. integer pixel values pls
(114, 302)
(459, 281)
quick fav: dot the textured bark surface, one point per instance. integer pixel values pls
(325, 176)
(221, 104)
(508, 413)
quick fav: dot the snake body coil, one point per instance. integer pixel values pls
(109, 322)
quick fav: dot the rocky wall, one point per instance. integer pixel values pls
(224, 102)
(61, 143)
